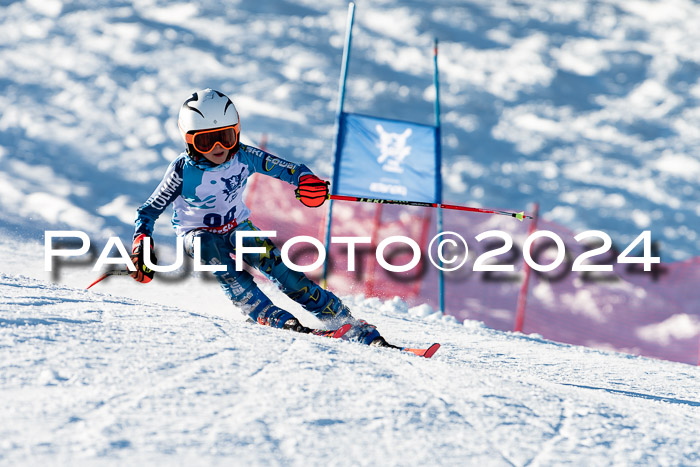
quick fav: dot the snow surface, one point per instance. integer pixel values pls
(93, 378)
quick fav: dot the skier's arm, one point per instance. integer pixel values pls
(259, 161)
(311, 190)
(169, 188)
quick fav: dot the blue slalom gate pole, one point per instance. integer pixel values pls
(339, 116)
(438, 173)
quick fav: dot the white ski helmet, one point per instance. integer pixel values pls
(207, 110)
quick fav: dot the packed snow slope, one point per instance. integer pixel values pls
(588, 107)
(93, 378)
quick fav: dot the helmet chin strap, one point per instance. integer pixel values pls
(193, 153)
(232, 152)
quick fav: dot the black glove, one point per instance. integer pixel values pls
(142, 273)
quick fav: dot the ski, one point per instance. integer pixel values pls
(294, 325)
(332, 333)
(425, 353)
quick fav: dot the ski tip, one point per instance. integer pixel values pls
(340, 332)
(430, 351)
(426, 353)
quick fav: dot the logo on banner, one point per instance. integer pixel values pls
(379, 158)
(393, 149)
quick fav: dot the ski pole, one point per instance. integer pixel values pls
(113, 272)
(518, 215)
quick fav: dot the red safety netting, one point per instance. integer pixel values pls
(655, 313)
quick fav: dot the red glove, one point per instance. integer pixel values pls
(312, 191)
(142, 273)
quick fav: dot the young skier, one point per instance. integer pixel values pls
(205, 185)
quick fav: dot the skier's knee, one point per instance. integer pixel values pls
(207, 244)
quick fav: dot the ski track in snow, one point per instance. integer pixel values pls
(97, 378)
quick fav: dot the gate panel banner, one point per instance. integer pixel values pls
(389, 159)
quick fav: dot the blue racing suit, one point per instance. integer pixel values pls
(208, 204)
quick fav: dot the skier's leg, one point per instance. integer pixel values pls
(238, 286)
(323, 304)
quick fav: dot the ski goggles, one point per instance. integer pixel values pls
(205, 140)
